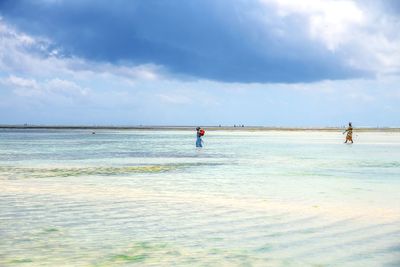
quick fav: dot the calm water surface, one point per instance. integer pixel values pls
(150, 198)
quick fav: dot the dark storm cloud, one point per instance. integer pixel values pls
(234, 41)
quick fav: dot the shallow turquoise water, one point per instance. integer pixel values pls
(121, 198)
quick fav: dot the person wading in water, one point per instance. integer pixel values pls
(349, 136)
(199, 134)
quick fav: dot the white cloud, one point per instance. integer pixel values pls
(175, 99)
(144, 72)
(31, 87)
(14, 38)
(328, 20)
(65, 87)
(27, 55)
(19, 82)
(363, 35)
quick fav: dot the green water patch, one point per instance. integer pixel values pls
(50, 230)
(140, 253)
(16, 172)
(20, 261)
(129, 258)
(375, 164)
(165, 254)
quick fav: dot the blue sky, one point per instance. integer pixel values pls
(200, 62)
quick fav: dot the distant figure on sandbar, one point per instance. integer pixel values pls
(199, 134)
(349, 136)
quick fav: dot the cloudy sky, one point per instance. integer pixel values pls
(200, 62)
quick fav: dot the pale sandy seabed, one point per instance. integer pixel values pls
(149, 198)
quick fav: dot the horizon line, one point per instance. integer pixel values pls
(188, 127)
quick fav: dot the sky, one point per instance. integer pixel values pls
(200, 62)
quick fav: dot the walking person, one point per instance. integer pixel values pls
(199, 134)
(349, 136)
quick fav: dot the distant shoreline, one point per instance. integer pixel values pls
(191, 128)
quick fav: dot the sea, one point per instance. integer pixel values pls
(69, 197)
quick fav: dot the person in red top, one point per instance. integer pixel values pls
(199, 134)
